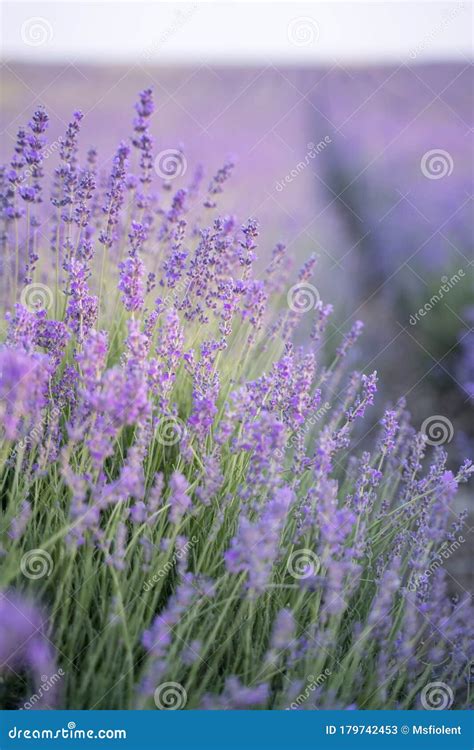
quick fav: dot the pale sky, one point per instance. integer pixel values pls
(236, 32)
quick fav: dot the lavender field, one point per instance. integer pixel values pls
(236, 383)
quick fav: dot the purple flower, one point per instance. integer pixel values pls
(351, 338)
(82, 309)
(23, 390)
(25, 647)
(132, 273)
(255, 547)
(391, 427)
(141, 138)
(283, 630)
(237, 697)
(115, 195)
(215, 186)
(179, 498)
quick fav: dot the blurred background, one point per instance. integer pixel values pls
(351, 125)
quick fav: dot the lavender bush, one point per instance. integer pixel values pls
(185, 521)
